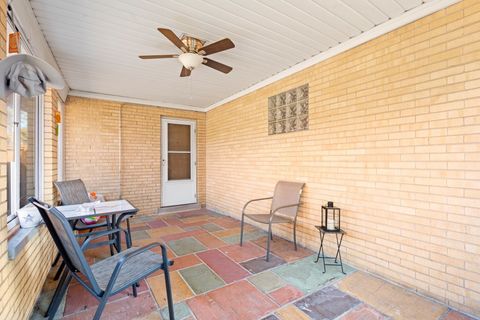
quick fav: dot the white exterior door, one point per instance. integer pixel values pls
(179, 169)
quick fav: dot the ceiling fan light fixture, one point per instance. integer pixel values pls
(190, 60)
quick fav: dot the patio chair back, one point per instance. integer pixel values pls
(72, 192)
(287, 193)
(62, 234)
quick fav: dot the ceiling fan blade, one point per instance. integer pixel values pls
(218, 46)
(217, 65)
(185, 72)
(173, 38)
(159, 56)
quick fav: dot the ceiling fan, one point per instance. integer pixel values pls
(194, 52)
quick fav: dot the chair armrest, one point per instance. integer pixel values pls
(132, 254)
(95, 235)
(254, 200)
(283, 207)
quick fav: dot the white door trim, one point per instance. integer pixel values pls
(178, 192)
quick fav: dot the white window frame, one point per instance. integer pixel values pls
(60, 143)
(14, 187)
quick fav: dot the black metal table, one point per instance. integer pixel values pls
(338, 256)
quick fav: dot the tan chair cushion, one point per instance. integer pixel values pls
(265, 218)
(287, 193)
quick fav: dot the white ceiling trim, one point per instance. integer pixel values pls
(416, 13)
(24, 16)
(101, 96)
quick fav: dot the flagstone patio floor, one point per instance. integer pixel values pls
(214, 278)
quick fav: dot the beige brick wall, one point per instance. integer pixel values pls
(394, 141)
(21, 280)
(115, 148)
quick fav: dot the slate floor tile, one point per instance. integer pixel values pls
(389, 299)
(188, 214)
(185, 262)
(271, 317)
(143, 218)
(123, 309)
(364, 312)
(455, 315)
(284, 249)
(238, 301)
(158, 233)
(157, 223)
(291, 312)
(223, 266)
(140, 235)
(266, 281)
(242, 253)
(259, 264)
(247, 236)
(173, 221)
(192, 228)
(139, 227)
(234, 231)
(180, 290)
(185, 246)
(227, 222)
(195, 220)
(227, 232)
(181, 310)
(210, 241)
(182, 235)
(79, 299)
(327, 303)
(211, 227)
(201, 279)
(307, 275)
(285, 295)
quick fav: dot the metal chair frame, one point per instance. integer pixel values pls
(91, 284)
(270, 234)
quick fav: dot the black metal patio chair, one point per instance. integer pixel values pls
(106, 277)
(74, 192)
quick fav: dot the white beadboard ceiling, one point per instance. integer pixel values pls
(97, 42)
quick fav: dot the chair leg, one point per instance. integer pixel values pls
(59, 271)
(268, 241)
(271, 236)
(129, 239)
(169, 293)
(134, 289)
(110, 237)
(52, 310)
(241, 231)
(100, 307)
(56, 293)
(57, 257)
(295, 234)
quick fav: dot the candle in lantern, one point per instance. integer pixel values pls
(331, 224)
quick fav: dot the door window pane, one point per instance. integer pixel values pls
(178, 166)
(27, 149)
(178, 137)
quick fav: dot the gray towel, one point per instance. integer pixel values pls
(26, 79)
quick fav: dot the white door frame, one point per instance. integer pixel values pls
(178, 192)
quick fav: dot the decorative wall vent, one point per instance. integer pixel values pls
(288, 111)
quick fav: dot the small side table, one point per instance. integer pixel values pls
(338, 256)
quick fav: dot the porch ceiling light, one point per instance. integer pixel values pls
(190, 60)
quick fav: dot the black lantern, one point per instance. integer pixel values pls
(330, 217)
